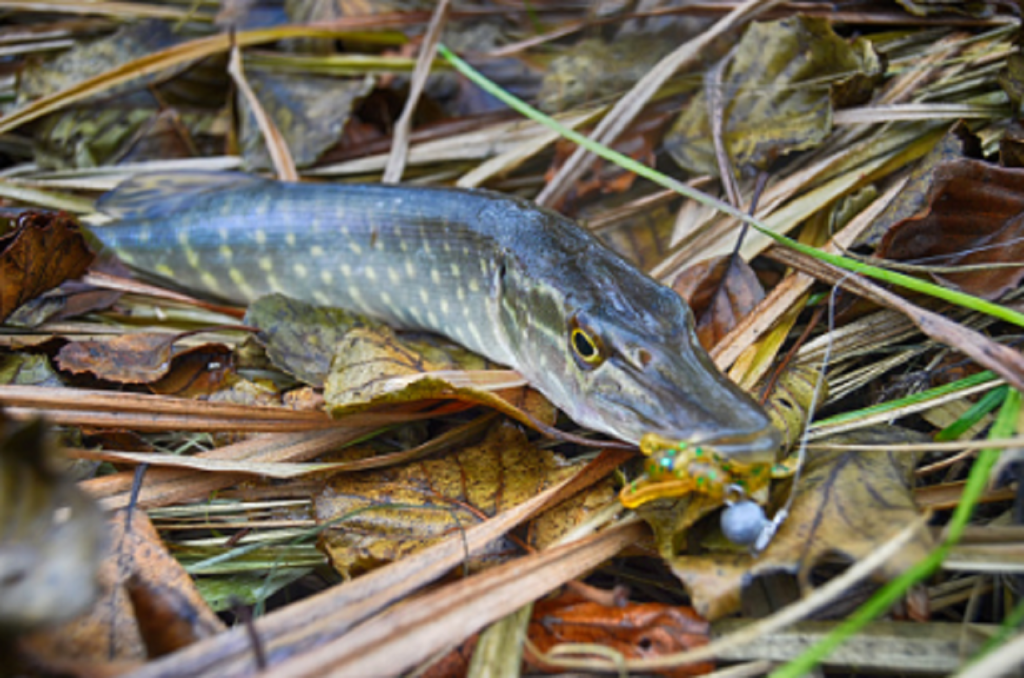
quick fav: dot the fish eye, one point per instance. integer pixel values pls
(586, 347)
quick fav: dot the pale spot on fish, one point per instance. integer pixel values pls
(300, 270)
(322, 298)
(435, 276)
(316, 251)
(238, 278)
(192, 256)
(209, 280)
(164, 270)
(432, 319)
(260, 236)
(143, 234)
(444, 306)
(346, 270)
(125, 257)
(183, 238)
(410, 268)
(474, 285)
(226, 252)
(455, 270)
(460, 294)
(326, 277)
(447, 246)
(386, 298)
(424, 297)
(403, 245)
(476, 334)
(394, 276)
(426, 245)
(357, 297)
(371, 274)
(266, 264)
(290, 239)
(223, 233)
(354, 246)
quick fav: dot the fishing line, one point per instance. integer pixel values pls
(745, 517)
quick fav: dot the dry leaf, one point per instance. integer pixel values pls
(637, 630)
(26, 369)
(138, 577)
(790, 73)
(594, 69)
(44, 251)
(720, 291)
(375, 367)
(300, 338)
(847, 503)
(384, 515)
(973, 215)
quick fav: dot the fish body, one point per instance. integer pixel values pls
(518, 284)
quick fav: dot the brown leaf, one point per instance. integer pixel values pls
(112, 631)
(384, 515)
(44, 251)
(639, 142)
(721, 291)
(637, 630)
(144, 358)
(973, 215)
(199, 371)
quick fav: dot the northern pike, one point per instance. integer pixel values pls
(521, 285)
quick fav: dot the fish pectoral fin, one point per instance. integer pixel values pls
(148, 196)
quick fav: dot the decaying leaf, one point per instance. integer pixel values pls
(958, 142)
(781, 86)
(136, 121)
(594, 69)
(846, 504)
(721, 291)
(972, 215)
(206, 370)
(375, 367)
(301, 338)
(140, 358)
(91, 58)
(139, 579)
(44, 251)
(70, 300)
(639, 142)
(379, 516)
(49, 561)
(309, 110)
(26, 369)
(637, 630)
